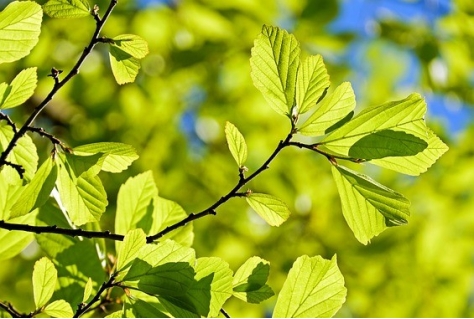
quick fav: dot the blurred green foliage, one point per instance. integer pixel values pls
(197, 76)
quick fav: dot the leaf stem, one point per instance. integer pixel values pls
(57, 86)
(329, 156)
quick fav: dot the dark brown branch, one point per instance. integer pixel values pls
(58, 85)
(49, 136)
(5, 117)
(83, 308)
(330, 157)
(234, 192)
(63, 231)
(11, 311)
(224, 313)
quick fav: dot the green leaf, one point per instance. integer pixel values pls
(340, 123)
(330, 111)
(404, 115)
(271, 209)
(59, 309)
(116, 156)
(221, 286)
(124, 66)
(236, 143)
(12, 243)
(20, 90)
(274, 63)
(44, 281)
(135, 204)
(81, 191)
(37, 191)
(314, 289)
(133, 242)
(131, 44)
(368, 207)
(419, 163)
(67, 8)
(23, 154)
(311, 82)
(139, 305)
(20, 27)
(387, 143)
(87, 290)
(10, 192)
(166, 213)
(249, 283)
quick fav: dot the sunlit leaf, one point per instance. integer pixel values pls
(274, 63)
(24, 153)
(87, 290)
(12, 243)
(140, 305)
(20, 90)
(20, 27)
(404, 115)
(59, 309)
(387, 143)
(311, 82)
(44, 281)
(333, 108)
(67, 8)
(124, 66)
(249, 283)
(221, 286)
(314, 289)
(368, 206)
(419, 163)
(273, 210)
(131, 44)
(116, 156)
(37, 191)
(236, 143)
(133, 242)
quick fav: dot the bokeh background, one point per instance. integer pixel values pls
(197, 77)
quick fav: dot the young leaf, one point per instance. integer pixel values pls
(81, 192)
(274, 63)
(236, 143)
(131, 44)
(311, 82)
(221, 286)
(330, 111)
(124, 66)
(20, 27)
(271, 209)
(403, 115)
(135, 203)
(314, 289)
(37, 191)
(44, 281)
(10, 191)
(368, 207)
(13, 243)
(20, 90)
(249, 283)
(387, 143)
(23, 154)
(59, 309)
(67, 8)
(416, 164)
(116, 156)
(87, 290)
(133, 242)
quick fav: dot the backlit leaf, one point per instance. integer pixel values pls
(59, 309)
(67, 8)
(236, 143)
(249, 283)
(271, 209)
(44, 281)
(131, 44)
(20, 90)
(116, 156)
(87, 291)
(314, 289)
(132, 244)
(124, 66)
(311, 82)
(274, 63)
(330, 110)
(368, 207)
(12, 243)
(20, 27)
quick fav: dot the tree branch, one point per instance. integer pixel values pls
(330, 157)
(83, 308)
(57, 85)
(11, 311)
(5, 117)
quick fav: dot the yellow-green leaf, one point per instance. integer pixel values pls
(44, 281)
(67, 8)
(236, 143)
(311, 82)
(273, 210)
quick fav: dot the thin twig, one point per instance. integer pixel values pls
(224, 313)
(51, 137)
(330, 157)
(58, 85)
(11, 311)
(5, 117)
(84, 308)
(63, 231)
